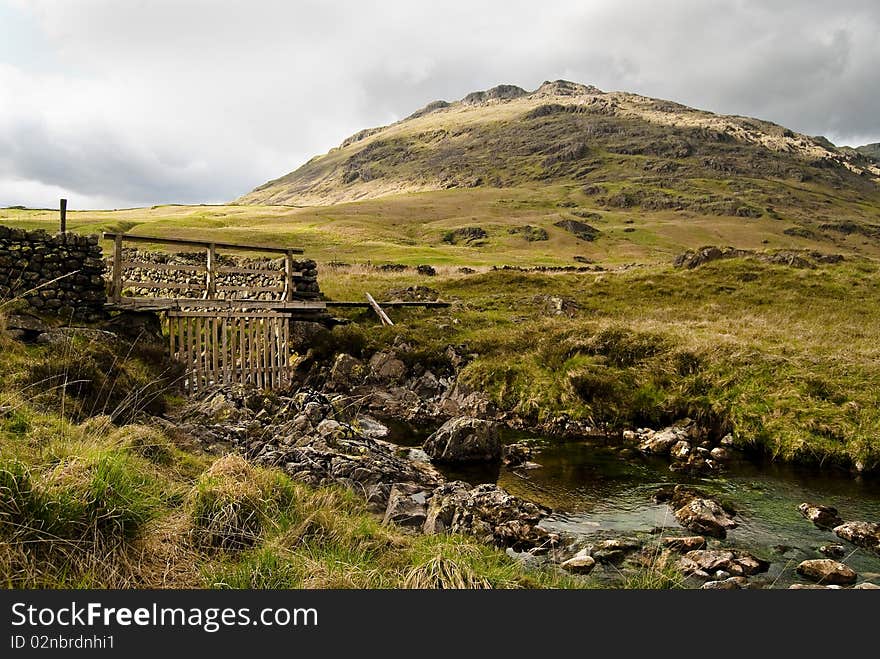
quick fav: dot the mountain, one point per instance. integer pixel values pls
(624, 149)
(871, 151)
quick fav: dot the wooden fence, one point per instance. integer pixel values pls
(240, 347)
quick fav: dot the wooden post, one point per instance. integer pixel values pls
(379, 312)
(63, 210)
(212, 272)
(117, 268)
(288, 277)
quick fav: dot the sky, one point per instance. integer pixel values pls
(122, 103)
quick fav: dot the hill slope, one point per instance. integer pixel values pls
(570, 133)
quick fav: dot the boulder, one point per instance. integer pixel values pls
(580, 563)
(825, 517)
(730, 583)
(346, 372)
(613, 550)
(866, 585)
(514, 455)
(695, 511)
(464, 439)
(407, 505)
(487, 512)
(863, 534)
(685, 544)
(706, 563)
(827, 571)
(386, 368)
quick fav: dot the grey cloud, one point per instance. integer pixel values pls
(190, 100)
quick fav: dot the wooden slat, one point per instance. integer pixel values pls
(167, 304)
(171, 336)
(382, 315)
(285, 355)
(235, 270)
(225, 350)
(210, 274)
(252, 289)
(215, 350)
(190, 354)
(150, 283)
(200, 243)
(346, 303)
(165, 267)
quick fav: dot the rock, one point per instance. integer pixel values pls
(681, 450)
(720, 453)
(660, 442)
(695, 511)
(427, 385)
(730, 583)
(825, 517)
(685, 544)
(613, 550)
(863, 534)
(487, 512)
(514, 455)
(369, 427)
(464, 439)
(811, 586)
(866, 585)
(827, 571)
(580, 563)
(833, 551)
(707, 562)
(346, 372)
(386, 368)
(407, 505)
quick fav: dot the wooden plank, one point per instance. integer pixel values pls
(252, 289)
(117, 268)
(267, 350)
(164, 267)
(215, 350)
(171, 336)
(364, 305)
(382, 315)
(235, 270)
(190, 354)
(168, 304)
(170, 285)
(225, 350)
(288, 276)
(249, 247)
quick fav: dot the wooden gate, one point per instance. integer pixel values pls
(231, 347)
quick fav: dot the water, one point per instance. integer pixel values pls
(593, 490)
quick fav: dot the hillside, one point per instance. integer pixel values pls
(570, 133)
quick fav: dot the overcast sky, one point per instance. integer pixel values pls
(116, 103)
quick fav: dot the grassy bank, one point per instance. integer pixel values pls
(90, 499)
(784, 358)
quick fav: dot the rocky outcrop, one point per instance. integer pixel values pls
(489, 513)
(862, 534)
(464, 439)
(827, 571)
(721, 563)
(792, 258)
(824, 517)
(687, 446)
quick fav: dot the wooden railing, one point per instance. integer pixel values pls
(209, 288)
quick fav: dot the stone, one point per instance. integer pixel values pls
(720, 453)
(488, 513)
(707, 562)
(827, 572)
(684, 544)
(407, 506)
(369, 427)
(698, 513)
(730, 583)
(862, 534)
(866, 585)
(464, 439)
(613, 550)
(386, 368)
(346, 372)
(681, 450)
(824, 517)
(833, 551)
(517, 454)
(427, 385)
(580, 563)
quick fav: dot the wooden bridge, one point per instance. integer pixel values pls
(224, 333)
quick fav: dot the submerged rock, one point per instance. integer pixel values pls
(685, 544)
(827, 571)
(863, 534)
(825, 517)
(613, 550)
(464, 440)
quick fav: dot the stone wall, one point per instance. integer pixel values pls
(60, 275)
(305, 285)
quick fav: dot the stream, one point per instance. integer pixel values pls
(594, 491)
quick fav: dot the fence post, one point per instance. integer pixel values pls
(288, 277)
(211, 275)
(117, 267)
(63, 210)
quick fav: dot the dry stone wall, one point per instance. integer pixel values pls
(52, 275)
